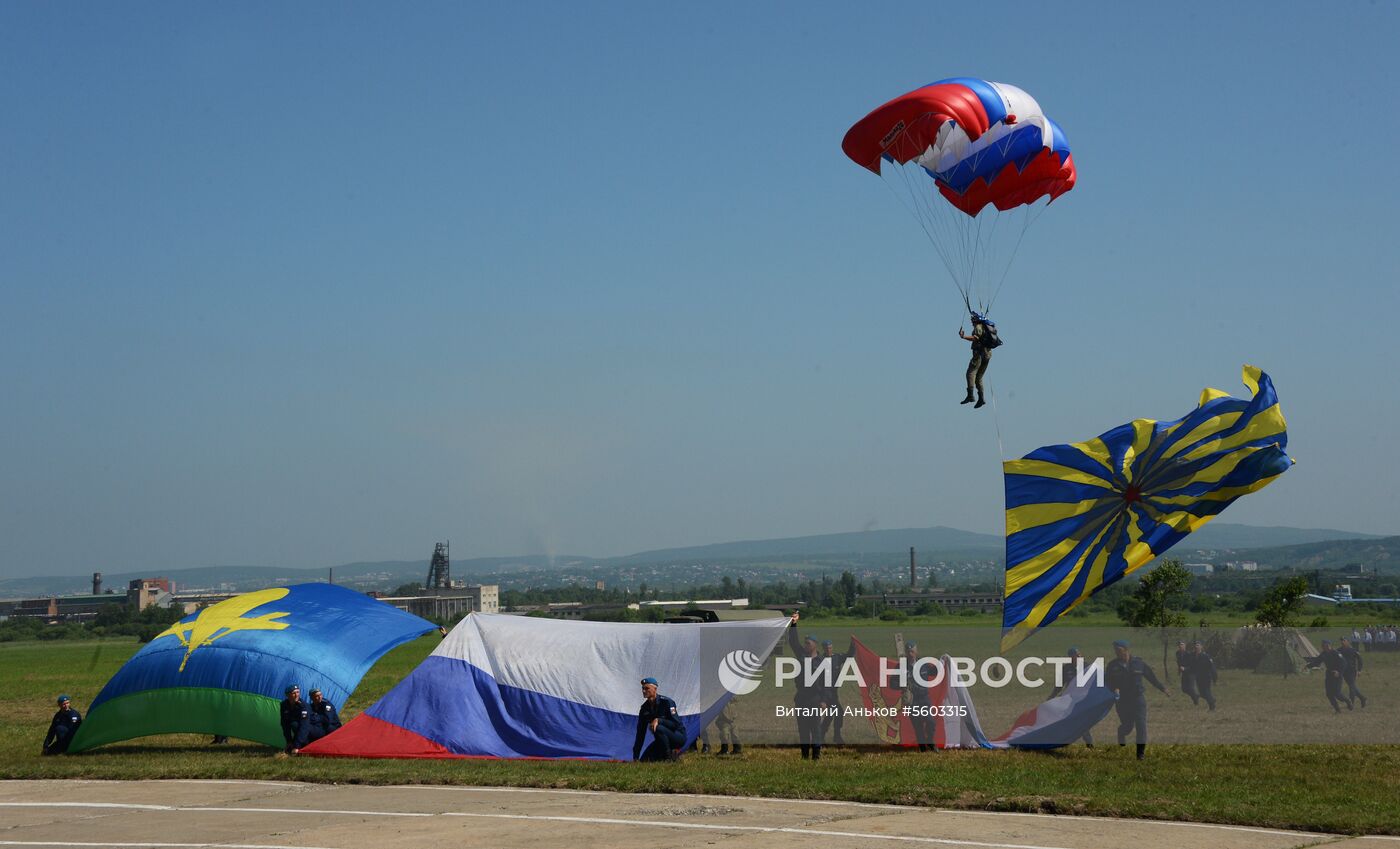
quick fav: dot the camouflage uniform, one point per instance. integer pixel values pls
(981, 356)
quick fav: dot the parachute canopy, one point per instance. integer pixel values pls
(521, 687)
(952, 149)
(225, 669)
(981, 142)
(1080, 517)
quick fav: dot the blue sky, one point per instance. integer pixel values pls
(306, 285)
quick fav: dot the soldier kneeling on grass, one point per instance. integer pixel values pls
(659, 715)
(296, 720)
(323, 717)
(61, 730)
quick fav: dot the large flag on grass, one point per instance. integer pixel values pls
(225, 669)
(956, 725)
(1061, 720)
(523, 687)
(1080, 517)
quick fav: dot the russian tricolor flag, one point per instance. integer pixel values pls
(507, 686)
(1061, 720)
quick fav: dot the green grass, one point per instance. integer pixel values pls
(1330, 787)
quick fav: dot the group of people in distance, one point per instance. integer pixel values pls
(1376, 638)
(1126, 675)
(302, 722)
(1197, 672)
(1340, 666)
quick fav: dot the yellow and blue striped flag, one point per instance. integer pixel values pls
(1081, 516)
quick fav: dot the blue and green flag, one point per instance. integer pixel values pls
(225, 669)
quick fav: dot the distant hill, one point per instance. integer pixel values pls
(1224, 535)
(937, 541)
(1379, 553)
(930, 540)
(1287, 546)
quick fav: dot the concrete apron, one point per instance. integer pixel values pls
(273, 815)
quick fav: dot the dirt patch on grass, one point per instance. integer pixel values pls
(1037, 804)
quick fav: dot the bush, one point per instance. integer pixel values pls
(893, 615)
(1252, 645)
(20, 629)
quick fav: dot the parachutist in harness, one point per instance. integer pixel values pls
(983, 338)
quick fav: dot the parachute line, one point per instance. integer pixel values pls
(976, 251)
(962, 159)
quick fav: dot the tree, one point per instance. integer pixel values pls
(1157, 603)
(1282, 602)
(849, 589)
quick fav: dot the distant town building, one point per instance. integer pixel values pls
(571, 609)
(953, 601)
(709, 604)
(76, 608)
(450, 603)
(145, 592)
(1199, 568)
(71, 608)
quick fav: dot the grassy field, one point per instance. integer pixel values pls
(1320, 786)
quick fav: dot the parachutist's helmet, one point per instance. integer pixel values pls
(979, 318)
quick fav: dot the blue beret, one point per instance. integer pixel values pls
(649, 680)
(291, 687)
(64, 698)
(1120, 644)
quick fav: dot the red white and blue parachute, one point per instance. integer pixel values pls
(983, 144)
